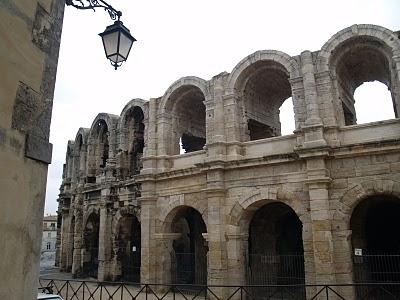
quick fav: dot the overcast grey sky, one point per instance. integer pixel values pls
(200, 38)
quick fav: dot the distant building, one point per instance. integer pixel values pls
(49, 236)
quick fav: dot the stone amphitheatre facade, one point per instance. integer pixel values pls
(243, 200)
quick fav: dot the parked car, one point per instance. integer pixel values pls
(42, 296)
(46, 293)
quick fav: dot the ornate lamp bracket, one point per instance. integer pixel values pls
(93, 4)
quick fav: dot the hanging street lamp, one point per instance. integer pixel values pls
(117, 40)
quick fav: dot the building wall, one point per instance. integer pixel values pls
(29, 42)
(321, 171)
(49, 236)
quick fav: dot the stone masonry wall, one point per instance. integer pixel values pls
(320, 172)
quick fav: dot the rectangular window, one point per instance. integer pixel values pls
(48, 246)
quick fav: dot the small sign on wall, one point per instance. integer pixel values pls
(357, 251)
(134, 249)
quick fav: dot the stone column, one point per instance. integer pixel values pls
(116, 271)
(64, 239)
(233, 119)
(105, 244)
(237, 245)
(217, 251)
(164, 130)
(148, 245)
(318, 182)
(313, 128)
(395, 88)
(343, 260)
(164, 254)
(82, 162)
(76, 262)
(216, 141)
(70, 246)
(150, 149)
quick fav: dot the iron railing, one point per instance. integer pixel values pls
(267, 270)
(376, 268)
(93, 290)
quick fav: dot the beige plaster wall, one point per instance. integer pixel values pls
(28, 60)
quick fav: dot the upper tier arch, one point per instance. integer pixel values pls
(166, 101)
(374, 32)
(244, 66)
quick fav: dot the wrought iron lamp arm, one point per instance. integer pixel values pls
(92, 4)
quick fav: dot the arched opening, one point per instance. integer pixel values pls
(128, 245)
(275, 251)
(91, 246)
(99, 150)
(373, 102)
(103, 150)
(375, 239)
(264, 87)
(358, 61)
(188, 119)
(189, 258)
(134, 139)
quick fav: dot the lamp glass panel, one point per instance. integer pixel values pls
(116, 58)
(110, 42)
(125, 45)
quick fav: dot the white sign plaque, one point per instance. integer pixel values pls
(358, 252)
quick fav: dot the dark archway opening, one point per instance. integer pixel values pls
(189, 260)
(275, 251)
(189, 120)
(91, 242)
(264, 89)
(362, 61)
(135, 139)
(129, 245)
(375, 225)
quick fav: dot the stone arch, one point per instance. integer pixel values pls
(84, 134)
(109, 119)
(167, 215)
(126, 233)
(354, 195)
(243, 210)
(122, 212)
(184, 244)
(131, 104)
(131, 139)
(182, 116)
(194, 81)
(69, 157)
(281, 58)
(243, 233)
(260, 84)
(101, 145)
(80, 151)
(88, 213)
(341, 227)
(375, 32)
(359, 54)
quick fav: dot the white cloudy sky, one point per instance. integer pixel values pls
(181, 37)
